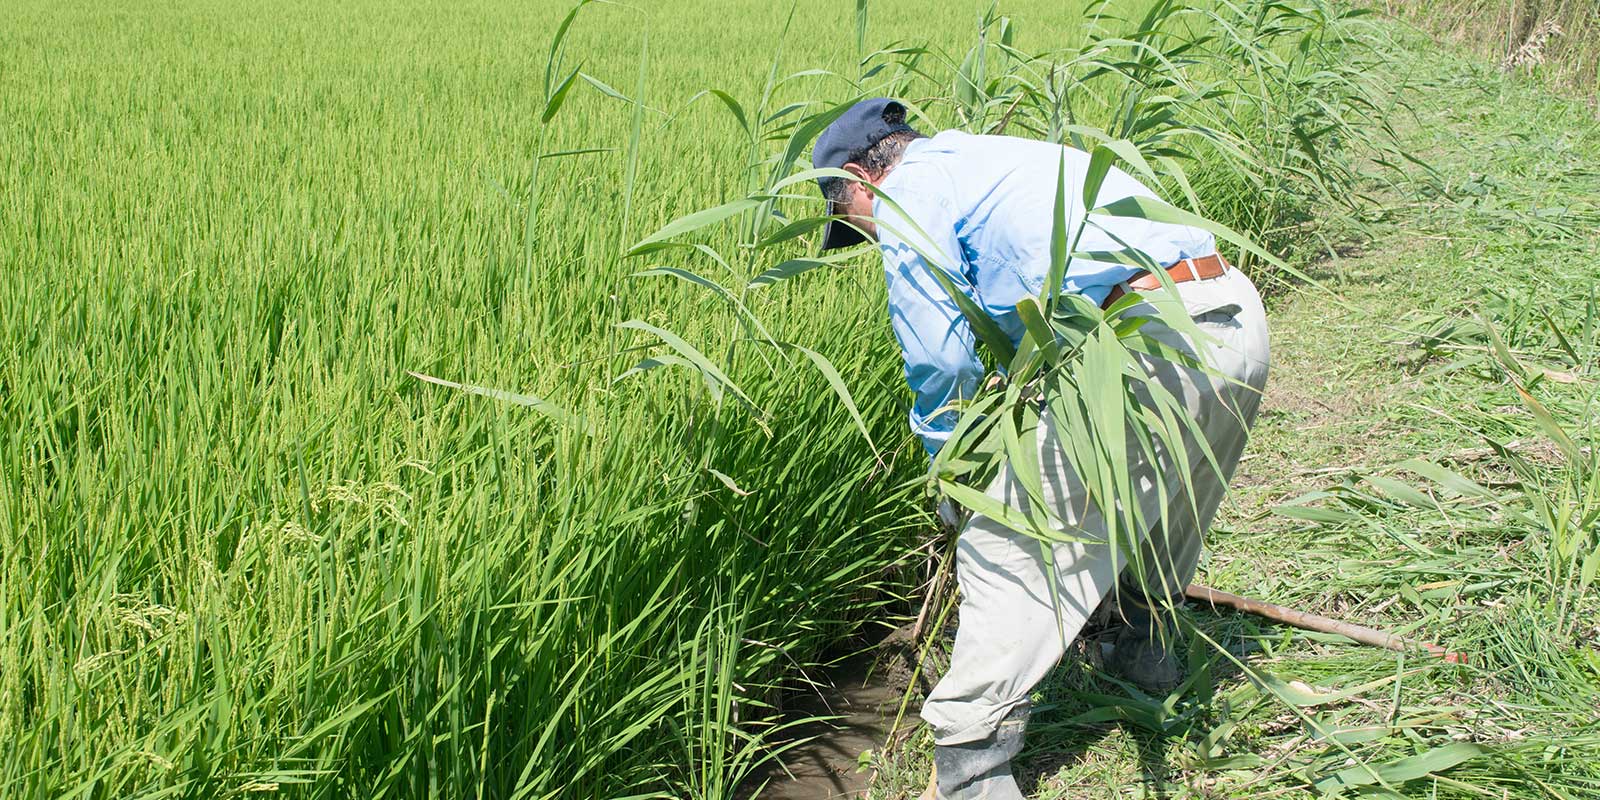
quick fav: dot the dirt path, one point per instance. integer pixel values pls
(856, 701)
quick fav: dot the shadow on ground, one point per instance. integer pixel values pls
(1091, 732)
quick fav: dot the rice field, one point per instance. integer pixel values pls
(329, 465)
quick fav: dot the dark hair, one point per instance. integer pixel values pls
(876, 160)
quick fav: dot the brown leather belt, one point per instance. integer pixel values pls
(1189, 269)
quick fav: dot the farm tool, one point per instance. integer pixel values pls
(1316, 622)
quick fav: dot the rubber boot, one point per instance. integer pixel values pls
(1142, 652)
(980, 770)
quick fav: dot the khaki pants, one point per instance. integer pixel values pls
(1010, 634)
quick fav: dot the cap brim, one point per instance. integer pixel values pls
(840, 234)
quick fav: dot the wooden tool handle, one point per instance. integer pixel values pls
(1316, 622)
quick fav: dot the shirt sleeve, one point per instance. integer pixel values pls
(935, 339)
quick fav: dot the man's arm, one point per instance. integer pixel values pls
(935, 339)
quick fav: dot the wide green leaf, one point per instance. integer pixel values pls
(693, 222)
(792, 268)
(721, 291)
(733, 108)
(538, 404)
(553, 105)
(695, 358)
(1155, 210)
(842, 391)
(1400, 770)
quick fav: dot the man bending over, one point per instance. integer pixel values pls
(986, 203)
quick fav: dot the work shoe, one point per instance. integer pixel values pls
(980, 770)
(1142, 652)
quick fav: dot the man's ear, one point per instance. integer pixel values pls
(864, 179)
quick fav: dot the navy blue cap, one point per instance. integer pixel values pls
(854, 132)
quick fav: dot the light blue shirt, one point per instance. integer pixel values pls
(986, 203)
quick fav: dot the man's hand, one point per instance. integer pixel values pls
(951, 516)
